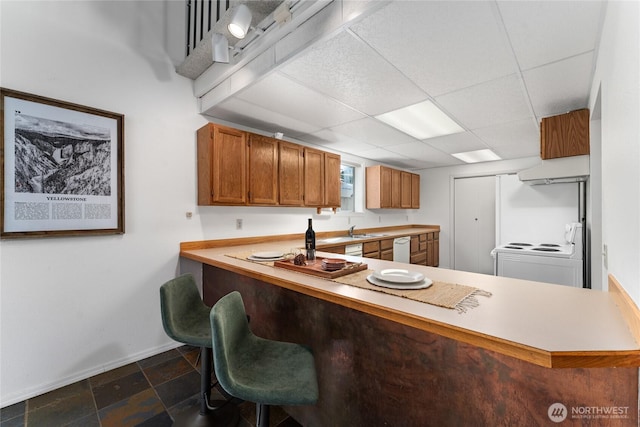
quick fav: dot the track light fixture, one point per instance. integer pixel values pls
(220, 48)
(240, 21)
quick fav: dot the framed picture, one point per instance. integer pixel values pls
(62, 168)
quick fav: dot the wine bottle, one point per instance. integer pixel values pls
(310, 242)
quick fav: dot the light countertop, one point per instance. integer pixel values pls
(545, 324)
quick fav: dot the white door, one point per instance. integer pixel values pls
(474, 223)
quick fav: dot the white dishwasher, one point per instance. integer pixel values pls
(401, 249)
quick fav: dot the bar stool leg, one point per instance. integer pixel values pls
(218, 413)
(262, 415)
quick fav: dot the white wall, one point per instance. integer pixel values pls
(618, 77)
(74, 307)
(436, 195)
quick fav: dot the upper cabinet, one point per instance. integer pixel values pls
(222, 175)
(565, 135)
(313, 177)
(262, 169)
(391, 188)
(242, 168)
(331, 180)
(291, 174)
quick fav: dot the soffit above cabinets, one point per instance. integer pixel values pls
(496, 68)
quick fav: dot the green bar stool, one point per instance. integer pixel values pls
(255, 369)
(185, 318)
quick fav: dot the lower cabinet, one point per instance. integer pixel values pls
(425, 249)
(386, 249)
(371, 249)
(334, 249)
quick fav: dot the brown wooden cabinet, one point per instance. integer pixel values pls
(334, 249)
(262, 170)
(386, 249)
(418, 249)
(242, 168)
(321, 178)
(378, 187)
(371, 249)
(313, 177)
(332, 182)
(415, 191)
(291, 174)
(391, 188)
(222, 173)
(565, 135)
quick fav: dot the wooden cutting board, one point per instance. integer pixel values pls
(315, 268)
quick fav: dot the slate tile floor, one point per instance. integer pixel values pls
(145, 393)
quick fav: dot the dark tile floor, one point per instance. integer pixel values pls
(147, 393)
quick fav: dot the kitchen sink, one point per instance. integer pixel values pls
(343, 239)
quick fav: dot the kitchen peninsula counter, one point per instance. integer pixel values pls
(544, 324)
(383, 360)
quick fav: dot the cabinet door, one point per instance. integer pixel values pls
(385, 187)
(332, 180)
(313, 177)
(565, 135)
(396, 188)
(263, 170)
(222, 173)
(291, 159)
(405, 188)
(415, 191)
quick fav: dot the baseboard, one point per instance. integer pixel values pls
(83, 375)
(628, 307)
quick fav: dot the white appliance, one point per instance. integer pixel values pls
(558, 263)
(560, 170)
(401, 249)
(353, 250)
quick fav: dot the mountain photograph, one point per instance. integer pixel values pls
(55, 157)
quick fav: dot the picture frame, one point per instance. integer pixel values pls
(62, 168)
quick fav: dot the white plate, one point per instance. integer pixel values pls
(395, 275)
(425, 283)
(253, 258)
(271, 254)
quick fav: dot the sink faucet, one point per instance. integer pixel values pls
(351, 230)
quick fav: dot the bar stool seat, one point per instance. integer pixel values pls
(185, 318)
(255, 369)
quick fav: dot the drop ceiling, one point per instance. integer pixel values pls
(496, 68)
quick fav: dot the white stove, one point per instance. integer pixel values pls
(560, 263)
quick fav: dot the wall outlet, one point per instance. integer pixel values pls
(238, 224)
(605, 256)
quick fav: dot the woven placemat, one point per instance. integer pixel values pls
(447, 295)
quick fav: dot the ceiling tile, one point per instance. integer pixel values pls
(516, 139)
(499, 101)
(441, 45)
(546, 31)
(423, 152)
(337, 141)
(288, 98)
(560, 87)
(246, 114)
(456, 143)
(373, 132)
(348, 70)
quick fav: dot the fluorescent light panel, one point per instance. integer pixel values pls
(422, 121)
(477, 156)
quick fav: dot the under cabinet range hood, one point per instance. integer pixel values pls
(560, 170)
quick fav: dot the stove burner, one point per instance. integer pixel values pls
(521, 244)
(549, 245)
(546, 249)
(513, 247)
